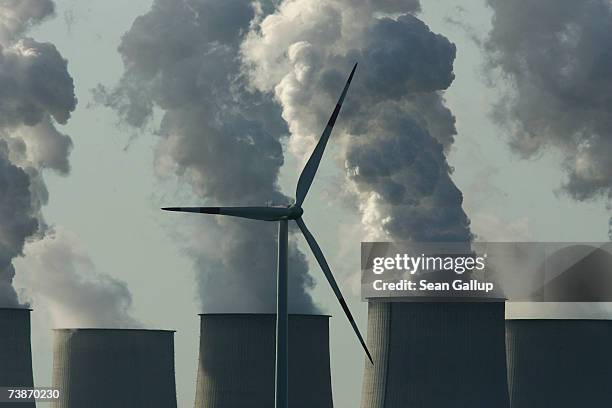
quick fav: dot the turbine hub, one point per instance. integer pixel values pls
(295, 212)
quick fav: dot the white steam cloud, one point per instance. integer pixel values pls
(395, 128)
(72, 291)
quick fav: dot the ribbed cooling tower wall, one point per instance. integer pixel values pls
(237, 357)
(15, 352)
(559, 363)
(103, 368)
(436, 355)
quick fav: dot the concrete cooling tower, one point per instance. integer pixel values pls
(237, 355)
(15, 352)
(102, 368)
(559, 363)
(436, 355)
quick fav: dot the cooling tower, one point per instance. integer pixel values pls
(237, 354)
(559, 363)
(102, 368)
(436, 355)
(15, 352)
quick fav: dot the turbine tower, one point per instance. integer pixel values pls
(282, 215)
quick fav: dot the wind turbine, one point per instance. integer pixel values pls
(282, 215)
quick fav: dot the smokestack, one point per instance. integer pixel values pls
(237, 354)
(559, 363)
(436, 354)
(15, 352)
(101, 368)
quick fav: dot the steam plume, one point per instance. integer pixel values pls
(36, 92)
(71, 290)
(395, 130)
(558, 57)
(220, 137)
(16, 16)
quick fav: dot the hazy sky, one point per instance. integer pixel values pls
(110, 202)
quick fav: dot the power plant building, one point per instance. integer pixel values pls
(119, 368)
(236, 365)
(559, 363)
(15, 352)
(436, 354)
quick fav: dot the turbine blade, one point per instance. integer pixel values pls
(253, 213)
(312, 165)
(204, 210)
(316, 250)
